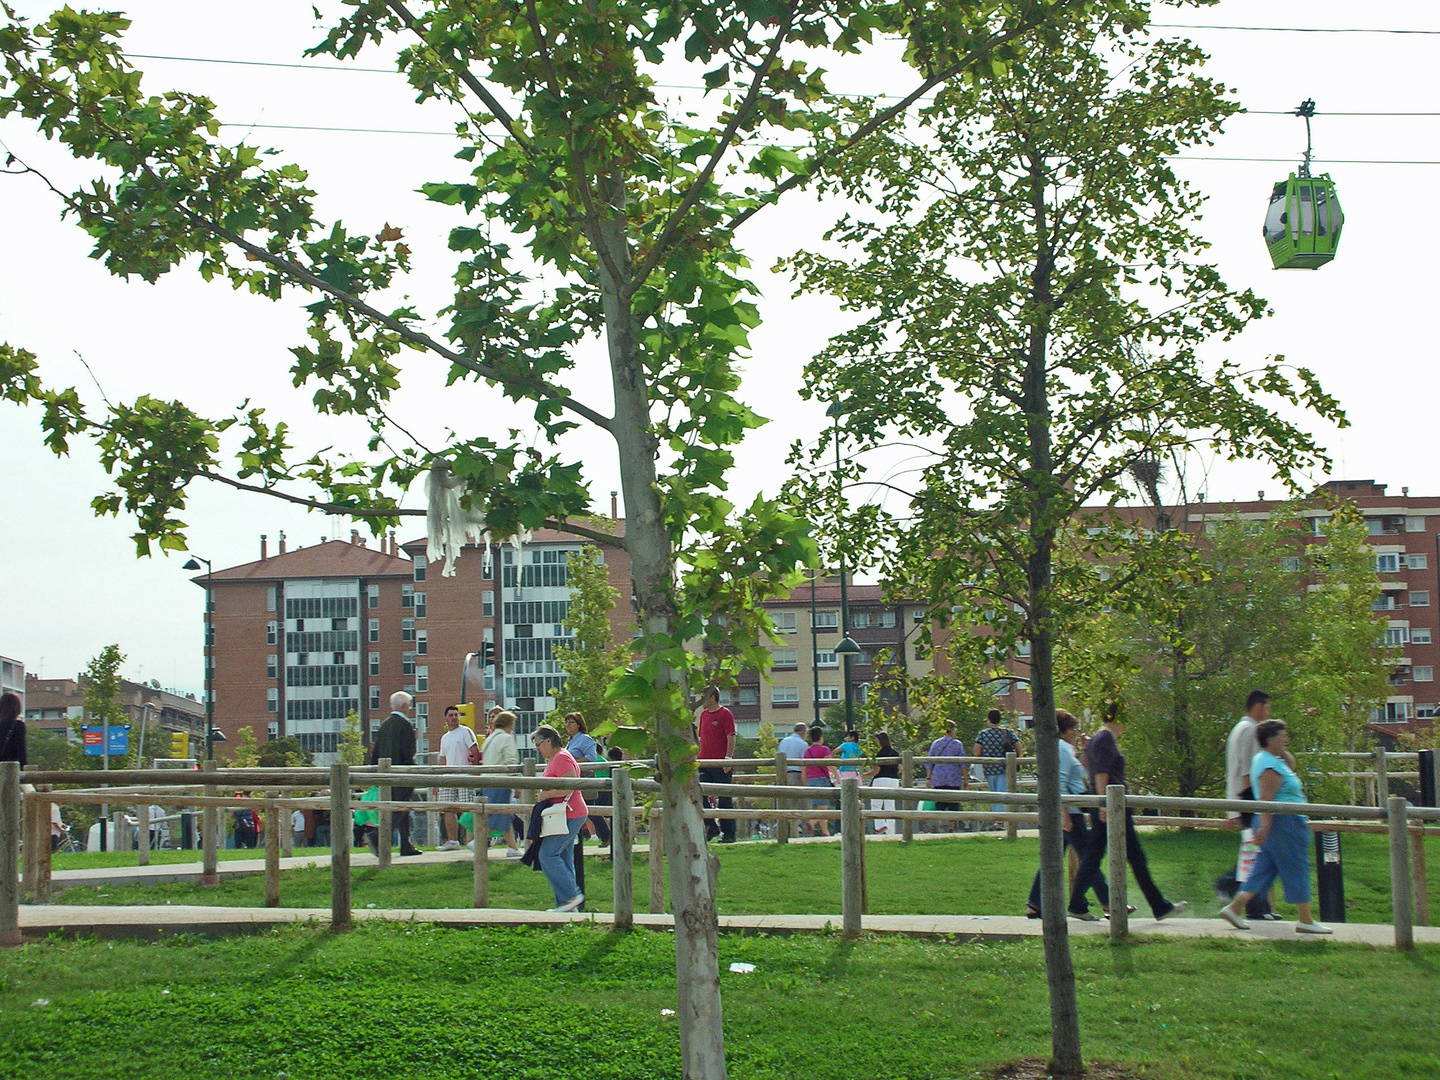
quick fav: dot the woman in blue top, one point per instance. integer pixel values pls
(1284, 839)
(583, 748)
(850, 748)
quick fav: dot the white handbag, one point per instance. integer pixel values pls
(552, 821)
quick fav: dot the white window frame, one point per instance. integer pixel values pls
(784, 695)
(374, 630)
(825, 621)
(1422, 673)
(887, 618)
(272, 700)
(1420, 635)
(785, 658)
(374, 665)
(748, 695)
(1419, 598)
(826, 658)
(827, 695)
(786, 622)
(1387, 563)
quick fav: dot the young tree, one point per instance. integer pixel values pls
(351, 750)
(631, 211)
(244, 752)
(593, 659)
(100, 686)
(1032, 311)
(285, 752)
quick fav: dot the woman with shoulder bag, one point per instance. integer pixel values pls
(557, 849)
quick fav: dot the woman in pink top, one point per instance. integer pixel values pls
(819, 776)
(557, 853)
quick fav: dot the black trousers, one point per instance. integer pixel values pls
(1079, 838)
(1094, 857)
(725, 826)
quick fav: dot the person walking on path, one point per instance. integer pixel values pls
(995, 742)
(1072, 782)
(12, 730)
(1284, 838)
(1106, 765)
(819, 776)
(557, 853)
(1240, 750)
(946, 776)
(582, 747)
(850, 748)
(455, 746)
(717, 740)
(500, 751)
(886, 774)
(396, 740)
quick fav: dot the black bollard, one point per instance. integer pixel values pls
(1330, 877)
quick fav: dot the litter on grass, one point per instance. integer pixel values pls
(742, 969)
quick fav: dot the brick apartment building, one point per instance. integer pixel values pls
(53, 705)
(12, 678)
(807, 677)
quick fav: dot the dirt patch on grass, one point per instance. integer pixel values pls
(1038, 1069)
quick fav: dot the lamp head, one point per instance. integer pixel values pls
(835, 410)
(191, 564)
(847, 647)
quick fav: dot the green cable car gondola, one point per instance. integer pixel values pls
(1304, 220)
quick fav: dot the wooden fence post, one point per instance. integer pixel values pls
(852, 858)
(1400, 874)
(656, 859)
(272, 856)
(340, 830)
(142, 835)
(1012, 783)
(209, 831)
(32, 810)
(480, 888)
(1382, 779)
(782, 776)
(1115, 838)
(907, 773)
(287, 833)
(527, 795)
(12, 824)
(622, 847)
(386, 824)
(37, 858)
(1418, 875)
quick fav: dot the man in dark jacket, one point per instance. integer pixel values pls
(396, 740)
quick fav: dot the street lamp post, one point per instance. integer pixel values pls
(194, 564)
(847, 648)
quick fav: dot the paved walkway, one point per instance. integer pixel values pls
(37, 921)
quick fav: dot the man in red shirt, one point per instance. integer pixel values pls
(717, 740)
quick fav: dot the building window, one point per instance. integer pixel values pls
(337, 658)
(826, 658)
(487, 565)
(725, 698)
(826, 621)
(748, 695)
(1022, 648)
(419, 564)
(272, 731)
(1415, 561)
(1387, 564)
(887, 618)
(1397, 712)
(1397, 635)
(1290, 564)
(825, 695)
(1419, 597)
(407, 596)
(422, 679)
(422, 642)
(487, 602)
(859, 620)
(372, 592)
(420, 605)
(374, 697)
(918, 615)
(271, 597)
(272, 700)
(407, 663)
(374, 665)
(1420, 635)
(1414, 524)
(272, 633)
(785, 658)
(785, 622)
(422, 714)
(1002, 688)
(784, 695)
(272, 666)
(1423, 673)
(374, 629)
(407, 629)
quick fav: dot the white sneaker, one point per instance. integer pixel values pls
(1176, 910)
(469, 845)
(573, 903)
(449, 845)
(512, 853)
(1312, 928)
(1237, 921)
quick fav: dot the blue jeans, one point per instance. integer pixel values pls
(996, 783)
(557, 860)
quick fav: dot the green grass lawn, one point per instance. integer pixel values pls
(965, 876)
(427, 1003)
(86, 860)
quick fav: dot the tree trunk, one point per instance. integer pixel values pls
(647, 541)
(1066, 1059)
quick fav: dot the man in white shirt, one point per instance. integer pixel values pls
(1240, 749)
(297, 827)
(793, 746)
(455, 747)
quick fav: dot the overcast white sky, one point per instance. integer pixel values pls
(70, 583)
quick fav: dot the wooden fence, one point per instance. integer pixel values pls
(26, 816)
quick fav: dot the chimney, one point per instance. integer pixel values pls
(355, 537)
(1262, 496)
(282, 541)
(263, 554)
(614, 506)
(394, 545)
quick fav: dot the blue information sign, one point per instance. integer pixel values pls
(119, 740)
